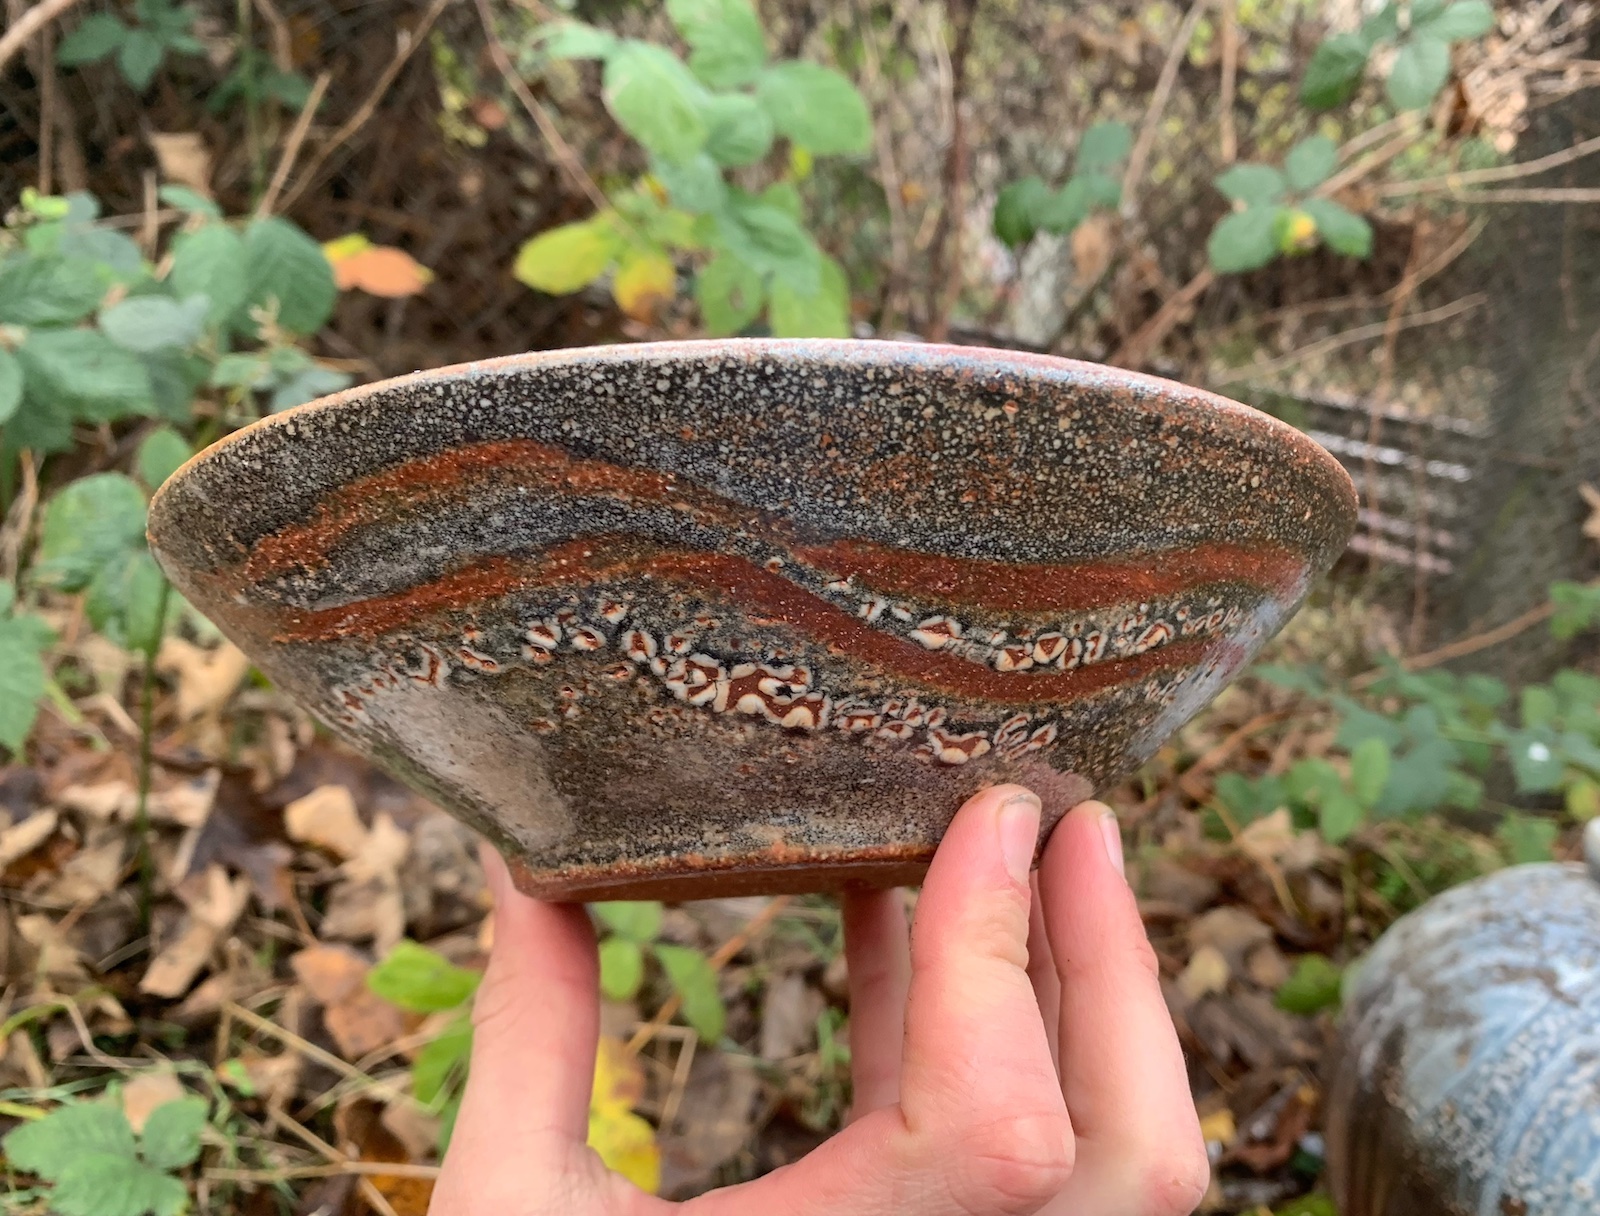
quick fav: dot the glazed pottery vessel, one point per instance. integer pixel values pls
(699, 618)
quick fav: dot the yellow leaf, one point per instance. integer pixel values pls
(344, 247)
(625, 1142)
(800, 163)
(1300, 231)
(1218, 1127)
(567, 258)
(644, 281)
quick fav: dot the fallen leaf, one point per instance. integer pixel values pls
(243, 833)
(624, 1141)
(105, 801)
(329, 973)
(643, 283)
(362, 1133)
(1091, 248)
(1232, 931)
(147, 1091)
(186, 803)
(1591, 498)
(414, 1127)
(367, 901)
(380, 270)
(57, 958)
(327, 817)
(1218, 1127)
(363, 1022)
(20, 839)
(183, 158)
(789, 1015)
(92, 872)
(206, 678)
(1206, 973)
(1267, 967)
(215, 904)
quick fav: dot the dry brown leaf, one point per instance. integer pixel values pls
(1591, 499)
(363, 1134)
(213, 907)
(147, 1091)
(327, 817)
(363, 1022)
(329, 973)
(183, 158)
(206, 678)
(58, 959)
(20, 839)
(273, 1076)
(1230, 930)
(1268, 837)
(1091, 248)
(367, 901)
(789, 1015)
(1207, 973)
(414, 1127)
(89, 874)
(109, 662)
(1267, 967)
(105, 801)
(186, 803)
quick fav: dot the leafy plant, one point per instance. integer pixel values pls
(1312, 987)
(24, 677)
(722, 111)
(1029, 206)
(256, 78)
(97, 1167)
(634, 928)
(1421, 31)
(1275, 211)
(160, 28)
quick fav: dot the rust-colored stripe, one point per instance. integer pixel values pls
(596, 559)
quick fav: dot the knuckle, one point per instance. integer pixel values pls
(1014, 1164)
(1175, 1183)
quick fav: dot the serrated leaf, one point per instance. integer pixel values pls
(211, 262)
(655, 99)
(48, 289)
(1335, 70)
(636, 920)
(770, 241)
(95, 38)
(824, 313)
(621, 968)
(730, 295)
(739, 131)
(576, 40)
(1420, 69)
(1456, 23)
(138, 56)
(1252, 185)
(1016, 210)
(1103, 145)
(565, 259)
(1310, 162)
(1369, 770)
(442, 1060)
(125, 601)
(1312, 987)
(50, 1145)
(112, 251)
(22, 678)
(693, 185)
(815, 107)
(728, 48)
(1341, 230)
(1244, 240)
(92, 523)
(284, 264)
(10, 384)
(105, 1185)
(695, 983)
(160, 455)
(154, 322)
(87, 369)
(422, 980)
(171, 1137)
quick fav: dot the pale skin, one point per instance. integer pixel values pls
(1011, 1053)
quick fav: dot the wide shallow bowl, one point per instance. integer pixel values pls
(701, 618)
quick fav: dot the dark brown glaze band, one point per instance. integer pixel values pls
(707, 617)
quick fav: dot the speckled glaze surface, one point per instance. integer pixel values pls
(1466, 1081)
(699, 618)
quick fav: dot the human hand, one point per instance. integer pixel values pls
(1010, 1055)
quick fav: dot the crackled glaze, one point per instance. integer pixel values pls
(691, 618)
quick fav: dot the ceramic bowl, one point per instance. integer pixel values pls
(703, 618)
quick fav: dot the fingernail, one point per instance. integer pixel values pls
(1019, 834)
(1112, 834)
(495, 872)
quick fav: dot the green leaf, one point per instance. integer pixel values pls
(1016, 210)
(656, 100)
(47, 289)
(212, 262)
(1335, 70)
(282, 263)
(785, 196)
(147, 323)
(1382, 26)
(1103, 146)
(1341, 230)
(422, 980)
(442, 1060)
(186, 199)
(1063, 210)
(824, 313)
(695, 983)
(1539, 706)
(139, 55)
(95, 38)
(1252, 185)
(111, 251)
(106, 1185)
(1099, 190)
(160, 455)
(10, 384)
(575, 40)
(1310, 162)
(308, 385)
(171, 1136)
(1312, 987)
(90, 524)
(694, 185)
(1309, 1205)
(22, 677)
(1244, 240)
(48, 1146)
(1536, 760)
(1527, 839)
(621, 968)
(565, 259)
(126, 601)
(1338, 815)
(636, 920)
(816, 108)
(770, 241)
(1369, 770)
(728, 48)
(1460, 21)
(730, 295)
(1420, 69)
(740, 132)
(84, 368)
(1577, 608)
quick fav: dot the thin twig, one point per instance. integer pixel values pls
(29, 24)
(370, 1169)
(282, 44)
(141, 820)
(291, 149)
(1552, 194)
(889, 179)
(1153, 332)
(1142, 146)
(559, 147)
(1463, 646)
(370, 1193)
(1230, 78)
(944, 271)
(49, 85)
(310, 1050)
(1364, 167)
(1451, 183)
(1391, 337)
